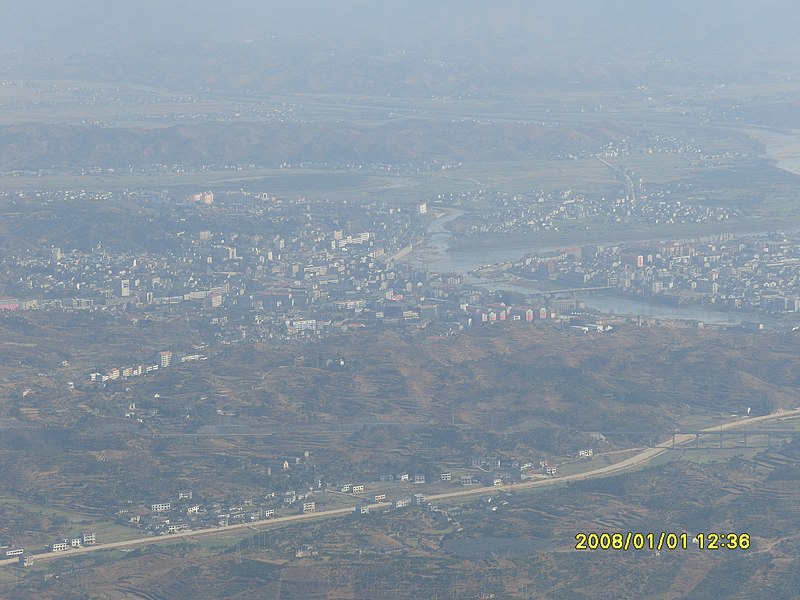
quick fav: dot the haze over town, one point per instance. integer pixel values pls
(413, 300)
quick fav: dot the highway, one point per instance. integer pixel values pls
(630, 463)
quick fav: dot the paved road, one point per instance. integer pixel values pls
(624, 465)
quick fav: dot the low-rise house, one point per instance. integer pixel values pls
(306, 552)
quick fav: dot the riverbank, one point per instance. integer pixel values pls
(780, 146)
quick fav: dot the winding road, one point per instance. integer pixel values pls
(630, 463)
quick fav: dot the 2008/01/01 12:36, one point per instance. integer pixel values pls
(661, 541)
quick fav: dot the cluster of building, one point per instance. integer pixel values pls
(255, 267)
(541, 210)
(164, 361)
(86, 539)
(647, 143)
(760, 273)
(26, 559)
(635, 203)
(186, 512)
(233, 253)
(258, 267)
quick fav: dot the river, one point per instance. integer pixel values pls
(609, 303)
(781, 146)
(434, 254)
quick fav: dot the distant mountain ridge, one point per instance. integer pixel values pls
(39, 146)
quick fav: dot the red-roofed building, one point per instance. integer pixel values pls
(8, 303)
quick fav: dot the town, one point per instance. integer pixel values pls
(189, 512)
(753, 274)
(243, 270)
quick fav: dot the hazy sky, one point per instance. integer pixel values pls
(79, 22)
(37, 37)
